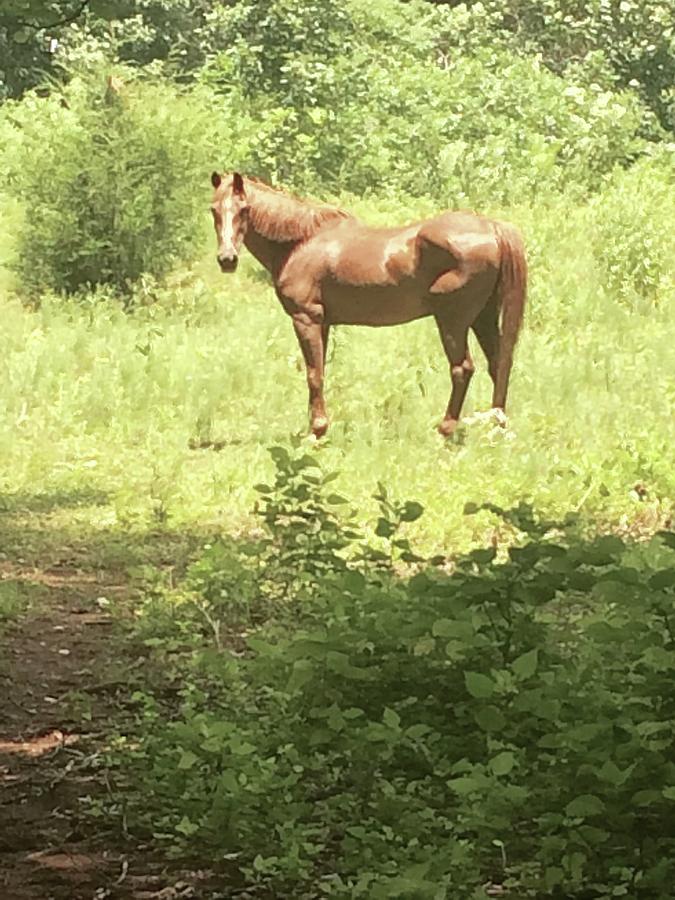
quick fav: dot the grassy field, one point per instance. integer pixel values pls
(100, 408)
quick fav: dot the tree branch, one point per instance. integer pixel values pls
(49, 25)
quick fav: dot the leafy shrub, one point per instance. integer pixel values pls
(487, 129)
(508, 724)
(631, 236)
(112, 181)
(626, 44)
(39, 37)
(476, 123)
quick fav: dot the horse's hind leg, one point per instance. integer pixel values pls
(486, 329)
(313, 339)
(454, 335)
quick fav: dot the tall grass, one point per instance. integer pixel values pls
(97, 400)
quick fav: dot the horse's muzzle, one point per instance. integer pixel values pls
(228, 263)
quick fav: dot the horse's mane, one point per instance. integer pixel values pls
(282, 217)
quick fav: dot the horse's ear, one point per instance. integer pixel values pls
(215, 180)
(238, 184)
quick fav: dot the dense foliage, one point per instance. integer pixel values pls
(106, 171)
(507, 724)
(447, 106)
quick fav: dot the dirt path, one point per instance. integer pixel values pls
(62, 692)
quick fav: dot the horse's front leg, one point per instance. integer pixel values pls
(313, 339)
(454, 336)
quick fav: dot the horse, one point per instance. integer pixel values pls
(328, 268)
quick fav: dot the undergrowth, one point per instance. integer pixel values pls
(501, 721)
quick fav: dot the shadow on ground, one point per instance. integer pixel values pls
(66, 679)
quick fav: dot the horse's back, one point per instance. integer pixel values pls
(468, 238)
(356, 254)
(386, 276)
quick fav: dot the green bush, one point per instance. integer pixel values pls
(632, 238)
(475, 123)
(506, 725)
(617, 43)
(114, 183)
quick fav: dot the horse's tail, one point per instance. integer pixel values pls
(510, 294)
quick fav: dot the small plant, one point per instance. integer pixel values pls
(393, 515)
(305, 538)
(223, 586)
(12, 600)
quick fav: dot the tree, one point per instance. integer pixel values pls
(37, 39)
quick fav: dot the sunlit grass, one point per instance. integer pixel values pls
(94, 399)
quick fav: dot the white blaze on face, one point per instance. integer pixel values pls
(227, 228)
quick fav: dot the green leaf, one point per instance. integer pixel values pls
(391, 718)
(279, 455)
(338, 662)
(411, 511)
(459, 629)
(414, 732)
(305, 462)
(646, 797)
(490, 719)
(228, 780)
(610, 772)
(553, 876)
(354, 582)
(261, 647)
(483, 556)
(186, 827)
(478, 685)
(22, 35)
(424, 646)
(525, 665)
(335, 720)
(384, 528)
(336, 500)
(502, 763)
(663, 579)
(303, 671)
(240, 747)
(443, 628)
(611, 544)
(668, 538)
(465, 785)
(585, 805)
(669, 793)
(659, 659)
(187, 760)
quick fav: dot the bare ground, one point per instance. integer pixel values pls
(63, 689)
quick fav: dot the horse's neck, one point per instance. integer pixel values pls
(288, 220)
(269, 253)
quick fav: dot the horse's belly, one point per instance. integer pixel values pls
(348, 305)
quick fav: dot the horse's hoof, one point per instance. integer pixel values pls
(499, 417)
(447, 427)
(319, 427)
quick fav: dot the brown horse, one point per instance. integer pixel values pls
(466, 271)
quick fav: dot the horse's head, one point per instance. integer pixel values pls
(230, 217)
